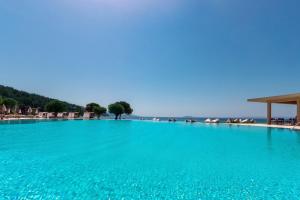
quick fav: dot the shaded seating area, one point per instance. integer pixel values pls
(73, 115)
(282, 121)
(289, 99)
(88, 115)
(32, 113)
(7, 113)
(62, 115)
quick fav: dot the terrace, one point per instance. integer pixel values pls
(289, 99)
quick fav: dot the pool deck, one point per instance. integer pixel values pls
(269, 126)
(236, 124)
(22, 118)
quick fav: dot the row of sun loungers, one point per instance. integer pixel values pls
(212, 121)
(156, 119)
(190, 121)
(240, 121)
(40, 115)
(16, 116)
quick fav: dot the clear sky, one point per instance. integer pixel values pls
(167, 58)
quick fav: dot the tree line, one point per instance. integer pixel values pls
(23, 100)
(117, 108)
(18, 100)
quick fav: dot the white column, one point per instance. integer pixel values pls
(298, 111)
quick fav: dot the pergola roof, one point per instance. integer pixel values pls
(282, 99)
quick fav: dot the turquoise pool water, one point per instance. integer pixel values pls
(147, 160)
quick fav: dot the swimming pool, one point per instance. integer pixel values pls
(147, 160)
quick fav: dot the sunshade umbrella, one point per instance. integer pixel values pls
(4, 108)
(29, 111)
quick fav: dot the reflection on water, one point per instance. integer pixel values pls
(9, 122)
(269, 138)
(298, 136)
(33, 121)
(271, 131)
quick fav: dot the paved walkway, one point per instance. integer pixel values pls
(270, 126)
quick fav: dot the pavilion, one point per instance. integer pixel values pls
(290, 99)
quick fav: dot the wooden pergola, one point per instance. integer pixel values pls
(290, 99)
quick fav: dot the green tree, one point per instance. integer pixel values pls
(56, 106)
(117, 109)
(9, 103)
(127, 108)
(95, 108)
(91, 106)
(99, 111)
(1, 100)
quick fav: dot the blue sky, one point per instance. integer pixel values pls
(170, 58)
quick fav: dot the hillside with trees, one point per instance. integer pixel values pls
(25, 99)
